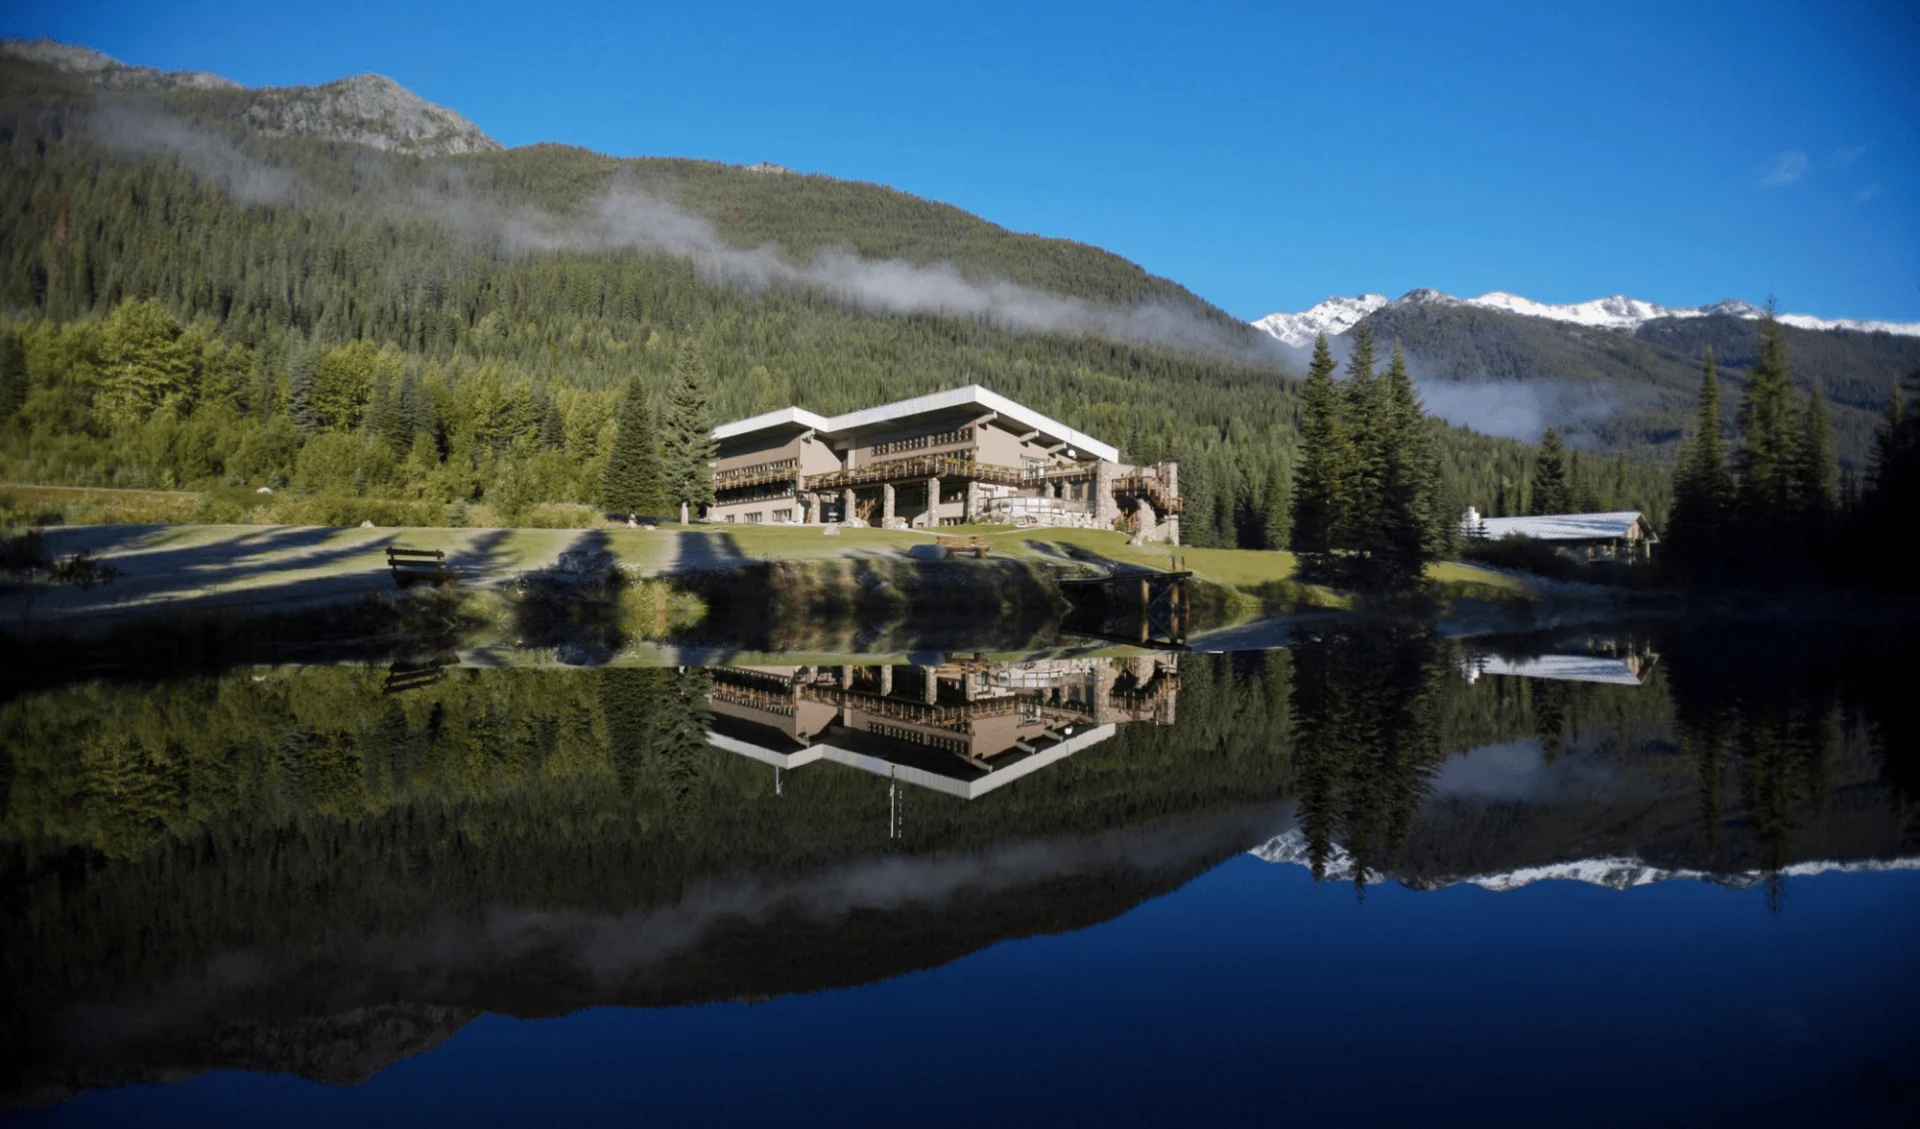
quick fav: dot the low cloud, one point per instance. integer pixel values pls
(1787, 169)
(1514, 409)
(1869, 192)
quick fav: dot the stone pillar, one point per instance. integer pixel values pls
(886, 503)
(886, 680)
(846, 505)
(846, 678)
(813, 509)
(973, 502)
(933, 503)
(1105, 509)
(1146, 521)
(930, 683)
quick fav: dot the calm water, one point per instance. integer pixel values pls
(1587, 877)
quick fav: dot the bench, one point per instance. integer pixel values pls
(957, 545)
(409, 565)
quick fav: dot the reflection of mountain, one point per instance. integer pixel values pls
(1617, 873)
(1623, 671)
(963, 728)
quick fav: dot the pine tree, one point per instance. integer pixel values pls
(633, 483)
(1408, 483)
(1322, 479)
(1358, 526)
(1814, 467)
(302, 379)
(1552, 491)
(13, 376)
(1275, 508)
(1765, 458)
(1701, 489)
(687, 445)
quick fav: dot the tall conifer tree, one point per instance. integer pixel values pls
(1765, 460)
(1322, 480)
(1702, 491)
(1366, 430)
(1815, 470)
(687, 445)
(1552, 491)
(633, 483)
(1404, 533)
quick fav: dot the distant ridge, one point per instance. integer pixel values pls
(1337, 315)
(366, 109)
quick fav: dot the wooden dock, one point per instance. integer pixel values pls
(1148, 608)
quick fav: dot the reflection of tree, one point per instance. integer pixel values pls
(1364, 708)
(1552, 703)
(1769, 718)
(656, 726)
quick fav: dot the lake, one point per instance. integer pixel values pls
(1605, 873)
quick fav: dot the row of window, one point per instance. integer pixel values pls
(898, 445)
(757, 468)
(758, 517)
(914, 736)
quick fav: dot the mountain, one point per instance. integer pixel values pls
(1338, 315)
(367, 109)
(1616, 374)
(1334, 316)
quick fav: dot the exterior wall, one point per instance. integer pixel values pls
(744, 453)
(875, 450)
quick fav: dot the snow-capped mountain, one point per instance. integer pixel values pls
(1331, 317)
(1617, 873)
(1337, 315)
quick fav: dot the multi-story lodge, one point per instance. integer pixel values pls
(964, 455)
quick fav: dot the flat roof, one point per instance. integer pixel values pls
(969, 396)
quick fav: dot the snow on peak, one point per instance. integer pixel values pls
(1332, 317)
(1337, 315)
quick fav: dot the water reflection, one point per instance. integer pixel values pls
(962, 728)
(324, 870)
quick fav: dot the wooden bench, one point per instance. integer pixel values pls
(409, 565)
(957, 545)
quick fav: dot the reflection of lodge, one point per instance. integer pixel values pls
(1610, 661)
(963, 728)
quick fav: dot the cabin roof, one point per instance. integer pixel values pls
(1564, 527)
(971, 399)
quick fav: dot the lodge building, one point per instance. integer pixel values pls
(950, 458)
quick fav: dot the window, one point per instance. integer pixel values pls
(783, 515)
(755, 517)
(942, 440)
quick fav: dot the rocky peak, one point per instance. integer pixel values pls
(371, 110)
(104, 69)
(365, 109)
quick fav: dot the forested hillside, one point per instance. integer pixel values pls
(193, 302)
(1634, 392)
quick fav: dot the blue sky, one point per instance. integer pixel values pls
(1264, 155)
